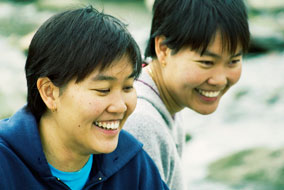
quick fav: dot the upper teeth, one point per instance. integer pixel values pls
(210, 94)
(108, 125)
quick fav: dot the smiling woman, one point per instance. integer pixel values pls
(200, 79)
(80, 71)
(106, 98)
(195, 53)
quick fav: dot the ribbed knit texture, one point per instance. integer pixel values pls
(163, 137)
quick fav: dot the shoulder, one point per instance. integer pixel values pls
(141, 160)
(150, 129)
(7, 155)
(145, 114)
(8, 158)
(149, 175)
(147, 124)
(5, 150)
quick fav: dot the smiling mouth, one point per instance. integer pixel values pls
(208, 93)
(113, 125)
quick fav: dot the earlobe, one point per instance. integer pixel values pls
(48, 92)
(161, 49)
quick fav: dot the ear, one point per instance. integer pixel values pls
(162, 50)
(48, 92)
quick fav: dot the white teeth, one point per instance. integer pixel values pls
(209, 94)
(108, 125)
(112, 126)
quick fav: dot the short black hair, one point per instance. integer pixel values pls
(70, 45)
(194, 23)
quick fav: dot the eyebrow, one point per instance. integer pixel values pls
(101, 77)
(211, 54)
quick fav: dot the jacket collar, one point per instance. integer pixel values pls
(126, 149)
(20, 133)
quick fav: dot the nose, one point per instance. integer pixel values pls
(118, 104)
(219, 78)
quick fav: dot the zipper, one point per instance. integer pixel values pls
(61, 183)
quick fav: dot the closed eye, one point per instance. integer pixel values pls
(128, 88)
(235, 61)
(103, 91)
(206, 63)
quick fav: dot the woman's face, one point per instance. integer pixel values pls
(198, 82)
(90, 114)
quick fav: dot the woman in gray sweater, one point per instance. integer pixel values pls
(196, 49)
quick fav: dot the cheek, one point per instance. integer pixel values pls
(235, 75)
(91, 105)
(193, 79)
(131, 101)
(95, 107)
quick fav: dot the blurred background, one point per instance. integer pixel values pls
(240, 146)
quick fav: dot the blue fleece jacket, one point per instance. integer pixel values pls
(23, 164)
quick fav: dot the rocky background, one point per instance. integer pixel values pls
(240, 146)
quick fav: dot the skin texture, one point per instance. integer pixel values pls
(68, 133)
(187, 72)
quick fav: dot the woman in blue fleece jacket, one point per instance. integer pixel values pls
(80, 70)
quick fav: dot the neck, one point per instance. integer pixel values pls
(156, 72)
(58, 152)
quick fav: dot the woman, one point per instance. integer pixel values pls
(80, 70)
(195, 50)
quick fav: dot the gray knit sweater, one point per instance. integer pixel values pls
(162, 136)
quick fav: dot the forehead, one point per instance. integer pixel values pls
(120, 66)
(222, 45)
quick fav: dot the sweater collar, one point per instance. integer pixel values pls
(149, 91)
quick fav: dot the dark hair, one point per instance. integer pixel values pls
(70, 45)
(194, 23)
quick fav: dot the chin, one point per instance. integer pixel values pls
(205, 111)
(108, 149)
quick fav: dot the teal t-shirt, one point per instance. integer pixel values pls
(75, 180)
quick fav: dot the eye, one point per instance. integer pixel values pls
(232, 62)
(102, 91)
(128, 88)
(206, 63)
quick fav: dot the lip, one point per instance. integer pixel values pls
(207, 99)
(109, 132)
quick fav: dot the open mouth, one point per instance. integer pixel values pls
(113, 125)
(208, 93)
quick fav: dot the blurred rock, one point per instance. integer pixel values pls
(56, 5)
(22, 1)
(18, 19)
(149, 4)
(13, 82)
(266, 5)
(188, 137)
(266, 25)
(25, 41)
(251, 166)
(267, 33)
